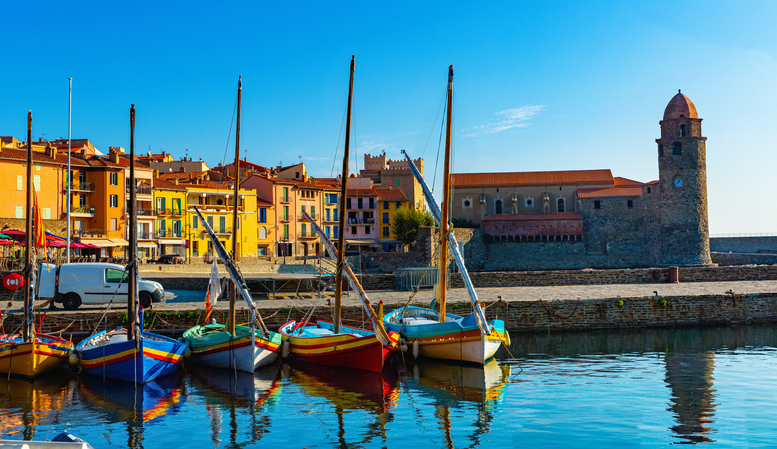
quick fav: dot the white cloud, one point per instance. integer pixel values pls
(507, 119)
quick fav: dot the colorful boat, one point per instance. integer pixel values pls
(334, 344)
(130, 354)
(112, 356)
(29, 354)
(31, 358)
(442, 335)
(230, 346)
(245, 351)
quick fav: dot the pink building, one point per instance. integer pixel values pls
(361, 229)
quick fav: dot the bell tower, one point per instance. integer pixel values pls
(682, 179)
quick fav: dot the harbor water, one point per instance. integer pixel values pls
(711, 386)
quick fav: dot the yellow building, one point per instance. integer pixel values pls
(265, 217)
(171, 228)
(215, 201)
(389, 201)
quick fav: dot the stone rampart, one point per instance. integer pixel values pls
(743, 258)
(749, 245)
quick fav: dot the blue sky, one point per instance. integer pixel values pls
(538, 85)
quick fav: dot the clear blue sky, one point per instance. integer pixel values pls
(538, 85)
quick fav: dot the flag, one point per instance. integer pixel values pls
(39, 232)
(214, 290)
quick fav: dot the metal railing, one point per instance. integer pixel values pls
(90, 232)
(81, 186)
(142, 190)
(82, 209)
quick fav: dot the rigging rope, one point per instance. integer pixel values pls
(337, 147)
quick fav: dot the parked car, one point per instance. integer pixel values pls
(73, 284)
(170, 258)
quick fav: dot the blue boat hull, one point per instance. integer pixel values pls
(111, 356)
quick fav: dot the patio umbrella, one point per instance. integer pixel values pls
(51, 236)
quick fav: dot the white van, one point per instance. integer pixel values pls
(73, 284)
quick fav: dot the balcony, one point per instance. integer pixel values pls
(308, 235)
(284, 199)
(168, 211)
(285, 218)
(81, 187)
(141, 190)
(166, 233)
(365, 221)
(313, 216)
(141, 212)
(82, 211)
(222, 230)
(90, 233)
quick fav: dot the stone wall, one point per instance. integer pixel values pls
(519, 317)
(617, 313)
(749, 245)
(724, 259)
(58, 227)
(619, 276)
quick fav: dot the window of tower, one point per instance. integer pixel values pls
(660, 149)
(677, 148)
(597, 204)
(629, 203)
(682, 131)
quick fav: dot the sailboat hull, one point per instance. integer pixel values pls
(212, 346)
(353, 348)
(111, 356)
(459, 339)
(33, 358)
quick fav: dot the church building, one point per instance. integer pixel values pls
(590, 218)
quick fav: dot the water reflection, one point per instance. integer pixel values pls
(689, 376)
(25, 404)
(241, 396)
(135, 405)
(350, 390)
(689, 363)
(449, 386)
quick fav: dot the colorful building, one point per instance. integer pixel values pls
(361, 208)
(390, 200)
(171, 220)
(265, 216)
(215, 201)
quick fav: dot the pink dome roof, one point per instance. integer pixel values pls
(678, 106)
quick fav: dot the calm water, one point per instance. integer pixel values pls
(714, 387)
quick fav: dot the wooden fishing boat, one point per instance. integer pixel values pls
(442, 335)
(29, 354)
(31, 358)
(230, 346)
(130, 354)
(333, 344)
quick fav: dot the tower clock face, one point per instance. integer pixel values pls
(678, 182)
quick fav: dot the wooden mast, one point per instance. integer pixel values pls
(442, 264)
(27, 328)
(132, 286)
(343, 193)
(235, 234)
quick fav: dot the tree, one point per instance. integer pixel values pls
(407, 222)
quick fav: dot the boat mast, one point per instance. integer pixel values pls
(442, 264)
(232, 288)
(68, 176)
(132, 287)
(343, 193)
(28, 292)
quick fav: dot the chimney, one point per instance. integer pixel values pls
(113, 155)
(176, 181)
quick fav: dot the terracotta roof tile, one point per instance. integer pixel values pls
(680, 105)
(610, 192)
(160, 183)
(626, 182)
(390, 194)
(21, 155)
(362, 192)
(517, 179)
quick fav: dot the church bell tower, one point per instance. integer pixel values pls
(682, 171)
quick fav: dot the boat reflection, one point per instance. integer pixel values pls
(450, 386)
(350, 390)
(241, 396)
(25, 404)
